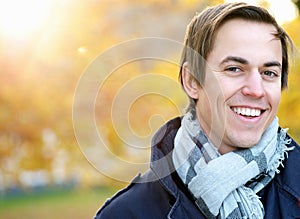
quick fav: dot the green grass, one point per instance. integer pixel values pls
(75, 204)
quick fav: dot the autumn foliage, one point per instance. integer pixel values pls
(39, 74)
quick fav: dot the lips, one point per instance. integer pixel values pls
(246, 111)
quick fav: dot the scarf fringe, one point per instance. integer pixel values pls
(281, 151)
(256, 206)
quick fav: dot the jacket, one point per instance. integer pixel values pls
(160, 193)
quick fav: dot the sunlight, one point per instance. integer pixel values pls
(82, 50)
(283, 11)
(19, 18)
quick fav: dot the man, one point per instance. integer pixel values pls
(226, 157)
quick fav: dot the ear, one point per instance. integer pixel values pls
(190, 84)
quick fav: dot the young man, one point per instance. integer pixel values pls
(226, 157)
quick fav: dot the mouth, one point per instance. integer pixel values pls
(248, 112)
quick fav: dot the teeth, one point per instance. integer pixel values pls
(247, 111)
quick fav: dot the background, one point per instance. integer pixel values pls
(45, 47)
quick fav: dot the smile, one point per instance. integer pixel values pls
(249, 112)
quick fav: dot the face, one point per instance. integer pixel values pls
(242, 88)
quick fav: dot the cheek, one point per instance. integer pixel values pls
(274, 96)
(205, 103)
(229, 88)
(275, 99)
(204, 108)
(211, 104)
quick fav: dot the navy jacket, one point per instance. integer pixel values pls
(159, 193)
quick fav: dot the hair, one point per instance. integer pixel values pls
(202, 29)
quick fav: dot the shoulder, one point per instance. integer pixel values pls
(143, 198)
(287, 187)
(281, 197)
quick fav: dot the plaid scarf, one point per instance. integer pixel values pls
(225, 186)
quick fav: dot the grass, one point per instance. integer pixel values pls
(59, 204)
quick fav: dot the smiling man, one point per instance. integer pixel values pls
(227, 157)
(245, 64)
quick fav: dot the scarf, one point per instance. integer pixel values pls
(225, 186)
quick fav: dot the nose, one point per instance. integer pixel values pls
(253, 85)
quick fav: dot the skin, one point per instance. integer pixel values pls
(242, 88)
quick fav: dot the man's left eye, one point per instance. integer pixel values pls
(270, 73)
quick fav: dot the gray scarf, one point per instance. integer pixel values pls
(225, 186)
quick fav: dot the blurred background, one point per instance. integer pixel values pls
(45, 46)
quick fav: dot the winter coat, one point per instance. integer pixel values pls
(160, 193)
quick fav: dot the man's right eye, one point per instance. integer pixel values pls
(233, 69)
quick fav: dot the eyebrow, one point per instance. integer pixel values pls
(244, 61)
(273, 63)
(235, 59)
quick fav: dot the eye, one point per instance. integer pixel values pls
(270, 74)
(233, 69)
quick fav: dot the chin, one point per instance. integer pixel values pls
(243, 141)
(247, 143)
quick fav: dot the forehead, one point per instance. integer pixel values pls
(238, 24)
(234, 28)
(247, 38)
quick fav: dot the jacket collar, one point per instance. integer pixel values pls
(163, 168)
(289, 176)
(161, 154)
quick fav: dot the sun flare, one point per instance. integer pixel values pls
(19, 18)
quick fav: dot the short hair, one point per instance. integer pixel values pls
(202, 29)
